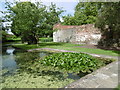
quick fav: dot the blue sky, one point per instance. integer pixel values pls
(67, 5)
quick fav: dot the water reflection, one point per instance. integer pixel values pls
(73, 76)
(9, 58)
(10, 50)
(43, 54)
(9, 63)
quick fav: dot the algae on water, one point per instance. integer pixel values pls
(25, 80)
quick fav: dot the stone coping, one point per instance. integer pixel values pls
(59, 50)
(105, 77)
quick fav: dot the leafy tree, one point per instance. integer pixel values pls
(85, 13)
(3, 33)
(4, 36)
(26, 21)
(30, 21)
(69, 20)
(109, 23)
(25, 17)
(51, 17)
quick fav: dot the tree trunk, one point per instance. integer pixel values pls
(32, 40)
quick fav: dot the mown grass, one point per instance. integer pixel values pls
(14, 39)
(50, 39)
(117, 88)
(89, 50)
(67, 46)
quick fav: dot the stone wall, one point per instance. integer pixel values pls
(67, 35)
(87, 34)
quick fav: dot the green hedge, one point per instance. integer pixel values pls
(46, 39)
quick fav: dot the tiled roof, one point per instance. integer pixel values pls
(59, 26)
(83, 28)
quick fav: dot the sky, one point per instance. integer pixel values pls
(67, 5)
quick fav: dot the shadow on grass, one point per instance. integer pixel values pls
(113, 49)
(107, 48)
(33, 46)
(13, 40)
(8, 43)
(118, 52)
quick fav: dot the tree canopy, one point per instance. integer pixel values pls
(85, 13)
(30, 20)
(25, 17)
(51, 17)
(109, 23)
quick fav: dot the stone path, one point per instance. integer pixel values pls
(105, 77)
(58, 50)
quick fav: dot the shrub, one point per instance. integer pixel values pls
(4, 36)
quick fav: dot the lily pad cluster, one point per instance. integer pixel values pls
(75, 62)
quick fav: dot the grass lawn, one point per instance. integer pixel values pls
(67, 46)
(14, 39)
(118, 88)
(50, 39)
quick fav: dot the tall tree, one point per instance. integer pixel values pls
(69, 20)
(51, 17)
(25, 17)
(33, 20)
(85, 13)
(109, 23)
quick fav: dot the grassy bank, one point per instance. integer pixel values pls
(67, 46)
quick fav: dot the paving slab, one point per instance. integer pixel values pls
(99, 78)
